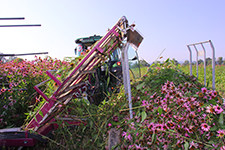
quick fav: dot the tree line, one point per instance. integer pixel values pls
(219, 61)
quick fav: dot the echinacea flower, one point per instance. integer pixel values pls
(193, 145)
(3, 90)
(5, 106)
(221, 133)
(214, 93)
(205, 127)
(204, 90)
(127, 136)
(144, 103)
(11, 103)
(218, 109)
(209, 109)
(200, 94)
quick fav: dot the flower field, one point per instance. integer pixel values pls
(17, 94)
(171, 109)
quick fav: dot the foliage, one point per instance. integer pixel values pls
(171, 111)
(144, 63)
(200, 61)
(220, 60)
(186, 62)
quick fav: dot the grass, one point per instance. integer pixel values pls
(219, 76)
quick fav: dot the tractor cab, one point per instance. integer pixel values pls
(84, 44)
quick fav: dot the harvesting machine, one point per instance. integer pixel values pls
(98, 55)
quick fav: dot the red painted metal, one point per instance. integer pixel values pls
(18, 142)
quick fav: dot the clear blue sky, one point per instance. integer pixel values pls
(170, 24)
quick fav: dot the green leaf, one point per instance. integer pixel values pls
(221, 119)
(41, 113)
(91, 124)
(195, 95)
(160, 110)
(171, 130)
(108, 80)
(212, 142)
(212, 102)
(186, 145)
(113, 147)
(153, 137)
(86, 101)
(35, 118)
(139, 86)
(167, 60)
(214, 128)
(115, 123)
(143, 116)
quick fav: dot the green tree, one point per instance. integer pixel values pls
(200, 61)
(208, 61)
(144, 63)
(175, 61)
(186, 62)
(220, 60)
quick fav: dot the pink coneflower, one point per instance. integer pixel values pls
(10, 98)
(151, 126)
(5, 106)
(6, 69)
(127, 136)
(209, 109)
(11, 103)
(109, 124)
(214, 93)
(204, 90)
(170, 125)
(159, 127)
(138, 147)
(193, 145)
(153, 96)
(218, 109)
(221, 133)
(205, 127)
(3, 90)
(144, 103)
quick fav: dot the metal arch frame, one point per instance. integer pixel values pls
(204, 51)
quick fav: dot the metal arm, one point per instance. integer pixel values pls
(22, 25)
(24, 54)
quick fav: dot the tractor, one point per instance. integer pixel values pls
(106, 77)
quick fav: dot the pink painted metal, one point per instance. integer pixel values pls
(41, 93)
(53, 78)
